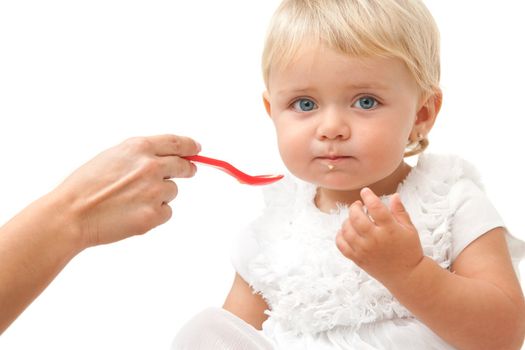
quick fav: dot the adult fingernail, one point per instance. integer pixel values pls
(199, 147)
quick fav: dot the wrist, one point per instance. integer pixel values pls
(398, 274)
(417, 282)
(61, 221)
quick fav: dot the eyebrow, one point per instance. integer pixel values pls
(377, 86)
(358, 86)
(294, 91)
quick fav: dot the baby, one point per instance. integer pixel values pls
(357, 249)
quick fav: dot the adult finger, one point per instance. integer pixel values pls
(174, 166)
(170, 191)
(377, 210)
(165, 213)
(174, 145)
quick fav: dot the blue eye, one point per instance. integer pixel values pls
(366, 103)
(304, 105)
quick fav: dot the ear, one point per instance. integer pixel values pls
(427, 113)
(267, 104)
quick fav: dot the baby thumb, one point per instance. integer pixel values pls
(398, 210)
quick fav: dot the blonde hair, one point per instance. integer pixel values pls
(403, 29)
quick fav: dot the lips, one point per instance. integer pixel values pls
(334, 158)
(332, 161)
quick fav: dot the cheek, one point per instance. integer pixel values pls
(290, 146)
(388, 135)
(385, 146)
(294, 144)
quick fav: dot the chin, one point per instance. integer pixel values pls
(337, 182)
(339, 186)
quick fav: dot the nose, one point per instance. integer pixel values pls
(333, 125)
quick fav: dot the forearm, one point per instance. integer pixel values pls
(34, 247)
(468, 313)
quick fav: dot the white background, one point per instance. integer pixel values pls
(77, 77)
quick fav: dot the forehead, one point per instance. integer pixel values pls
(318, 65)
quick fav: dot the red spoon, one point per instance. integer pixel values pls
(236, 173)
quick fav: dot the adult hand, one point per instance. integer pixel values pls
(123, 191)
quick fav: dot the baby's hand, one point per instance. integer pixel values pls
(383, 242)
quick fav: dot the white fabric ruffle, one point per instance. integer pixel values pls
(310, 287)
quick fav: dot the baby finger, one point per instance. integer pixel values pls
(359, 220)
(343, 246)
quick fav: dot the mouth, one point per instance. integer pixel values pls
(333, 158)
(333, 161)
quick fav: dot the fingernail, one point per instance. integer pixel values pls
(357, 203)
(366, 192)
(199, 147)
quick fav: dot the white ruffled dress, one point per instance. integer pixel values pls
(317, 298)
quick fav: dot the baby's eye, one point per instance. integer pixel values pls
(304, 105)
(366, 102)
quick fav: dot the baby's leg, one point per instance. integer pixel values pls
(218, 329)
